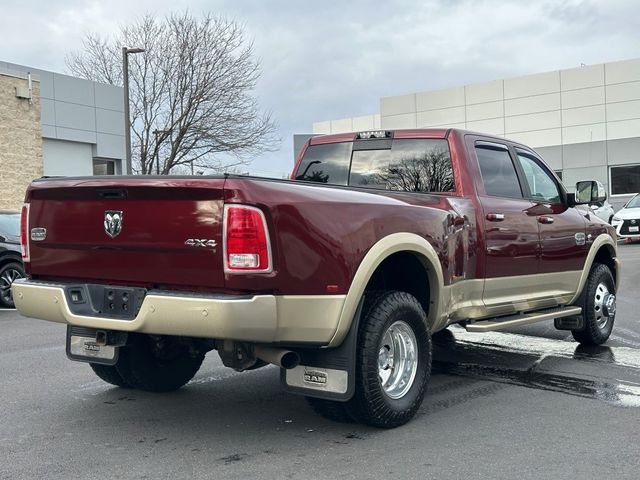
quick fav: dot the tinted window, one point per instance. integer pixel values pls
(625, 180)
(411, 165)
(104, 167)
(541, 185)
(328, 163)
(10, 225)
(498, 173)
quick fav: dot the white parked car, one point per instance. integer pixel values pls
(627, 220)
(603, 210)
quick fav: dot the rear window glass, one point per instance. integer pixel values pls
(327, 163)
(411, 165)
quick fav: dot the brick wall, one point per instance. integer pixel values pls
(20, 141)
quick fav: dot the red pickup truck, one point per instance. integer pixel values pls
(340, 275)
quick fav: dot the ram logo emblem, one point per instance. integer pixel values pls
(113, 222)
(315, 377)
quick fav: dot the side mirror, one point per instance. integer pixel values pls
(590, 191)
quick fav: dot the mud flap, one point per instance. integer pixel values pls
(326, 373)
(94, 346)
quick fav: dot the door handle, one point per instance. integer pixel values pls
(545, 219)
(495, 217)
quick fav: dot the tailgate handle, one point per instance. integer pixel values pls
(112, 193)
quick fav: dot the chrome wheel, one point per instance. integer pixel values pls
(603, 305)
(398, 360)
(8, 276)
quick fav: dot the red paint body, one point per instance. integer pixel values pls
(319, 234)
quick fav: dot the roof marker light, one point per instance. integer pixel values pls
(374, 134)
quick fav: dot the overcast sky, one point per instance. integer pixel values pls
(335, 59)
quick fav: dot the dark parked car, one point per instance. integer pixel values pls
(10, 257)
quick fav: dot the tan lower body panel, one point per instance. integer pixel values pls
(520, 320)
(261, 319)
(506, 295)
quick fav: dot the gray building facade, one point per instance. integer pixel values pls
(584, 121)
(82, 124)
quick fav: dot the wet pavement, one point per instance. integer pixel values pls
(609, 374)
(530, 403)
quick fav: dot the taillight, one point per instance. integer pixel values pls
(24, 232)
(246, 240)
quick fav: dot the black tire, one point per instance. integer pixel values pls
(145, 365)
(8, 273)
(370, 404)
(330, 409)
(109, 373)
(593, 333)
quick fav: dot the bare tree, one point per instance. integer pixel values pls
(191, 91)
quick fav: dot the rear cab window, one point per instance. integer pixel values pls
(406, 165)
(326, 163)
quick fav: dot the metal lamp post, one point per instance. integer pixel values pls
(127, 119)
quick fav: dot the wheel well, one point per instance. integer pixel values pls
(406, 272)
(9, 258)
(605, 256)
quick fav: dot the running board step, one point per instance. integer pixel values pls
(502, 323)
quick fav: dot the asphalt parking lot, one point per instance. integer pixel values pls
(529, 403)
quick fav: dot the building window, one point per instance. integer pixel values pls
(104, 167)
(625, 180)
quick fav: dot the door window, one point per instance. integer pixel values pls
(498, 173)
(542, 187)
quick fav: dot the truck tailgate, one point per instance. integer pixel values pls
(156, 246)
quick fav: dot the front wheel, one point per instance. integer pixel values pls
(393, 361)
(598, 304)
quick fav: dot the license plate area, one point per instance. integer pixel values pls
(635, 229)
(82, 345)
(108, 301)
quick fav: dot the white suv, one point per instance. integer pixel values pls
(627, 220)
(603, 210)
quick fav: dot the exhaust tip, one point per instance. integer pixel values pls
(290, 360)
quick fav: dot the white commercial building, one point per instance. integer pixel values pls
(584, 121)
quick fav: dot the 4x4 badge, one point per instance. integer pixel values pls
(581, 238)
(113, 222)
